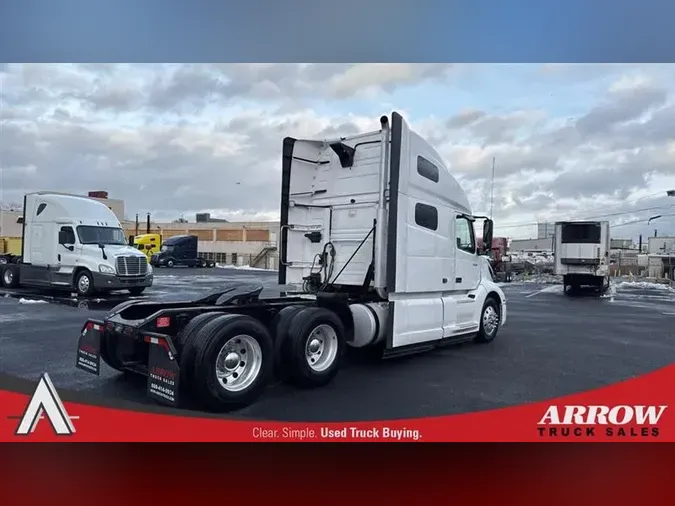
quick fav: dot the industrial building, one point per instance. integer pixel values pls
(543, 242)
(545, 230)
(531, 245)
(661, 257)
(233, 243)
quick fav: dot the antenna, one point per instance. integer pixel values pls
(492, 191)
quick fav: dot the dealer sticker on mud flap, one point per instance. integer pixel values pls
(89, 349)
(163, 376)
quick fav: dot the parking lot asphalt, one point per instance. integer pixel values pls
(552, 345)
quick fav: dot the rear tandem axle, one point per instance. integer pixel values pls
(220, 352)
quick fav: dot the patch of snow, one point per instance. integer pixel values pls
(533, 258)
(551, 289)
(644, 285)
(31, 301)
(544, 279)
(610, 293)
(244, 268)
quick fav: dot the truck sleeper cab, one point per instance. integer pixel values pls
(180, 250)
(74, 243)
(378, 250)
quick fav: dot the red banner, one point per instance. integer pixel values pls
(636, 410)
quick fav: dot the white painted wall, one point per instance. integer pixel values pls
(658, 245)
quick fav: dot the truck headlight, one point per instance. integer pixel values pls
(149, 269)
(106, 269)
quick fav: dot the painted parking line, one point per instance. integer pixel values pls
(548, 289)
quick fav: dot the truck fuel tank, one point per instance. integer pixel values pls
(369, 323)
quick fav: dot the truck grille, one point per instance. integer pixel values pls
(131, 266)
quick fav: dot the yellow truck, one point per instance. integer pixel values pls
(148, 244)
(10, 249)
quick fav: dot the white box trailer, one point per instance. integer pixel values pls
(74, 243)
(377, 250)
(581, 254)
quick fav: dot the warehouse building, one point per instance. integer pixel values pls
(233, 243)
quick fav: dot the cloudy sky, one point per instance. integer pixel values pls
(570, 141)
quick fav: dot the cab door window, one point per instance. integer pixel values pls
(69, 234)
(464, 234)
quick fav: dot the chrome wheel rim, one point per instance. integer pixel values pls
(490, 320)
(83, 284)
(8, 277)
(321, 348)
(238, 363)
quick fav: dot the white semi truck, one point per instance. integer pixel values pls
(581, 254)
(74, 243)
(378, 250)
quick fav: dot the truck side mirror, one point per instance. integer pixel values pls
(131, 240)
(487, 234)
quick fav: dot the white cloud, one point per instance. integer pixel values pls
(179, 139)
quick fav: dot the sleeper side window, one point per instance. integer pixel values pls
(427, 169)
(426, 216)
(466, 240)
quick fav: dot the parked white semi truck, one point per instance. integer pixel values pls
(377, 238)
(581, 254)
(74, 243)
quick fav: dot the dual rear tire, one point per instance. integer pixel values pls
(228, 360)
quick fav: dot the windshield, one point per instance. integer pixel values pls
(166, 248)
(101, 235)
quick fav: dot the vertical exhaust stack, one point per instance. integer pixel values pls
(136, 232)
(148, 224)
(380, 227)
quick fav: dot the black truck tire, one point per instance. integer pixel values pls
(10, 275)
(241, 347)
(314, 347)
(169, 263)
(84, 283)
(108, 352)
(186, 348)
(489, 312)
(279, 329)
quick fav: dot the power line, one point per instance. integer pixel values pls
(644, 220)
(619, 205)
(597, 216)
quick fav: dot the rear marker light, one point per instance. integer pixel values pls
(163, 322)
(159, 342)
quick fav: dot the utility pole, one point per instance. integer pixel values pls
(492, 191)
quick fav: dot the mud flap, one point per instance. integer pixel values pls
(163, 370)
(89, 347)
